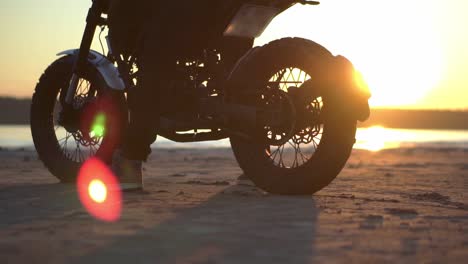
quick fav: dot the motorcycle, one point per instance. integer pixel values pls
(289, 108)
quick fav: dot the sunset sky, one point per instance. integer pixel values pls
(412, 52)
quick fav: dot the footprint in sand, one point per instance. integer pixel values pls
(216, 183)
(179, 175)
(372, 222)
(402, 213)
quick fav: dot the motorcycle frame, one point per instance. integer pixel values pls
(96, 19)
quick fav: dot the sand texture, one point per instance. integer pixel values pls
(393, 206)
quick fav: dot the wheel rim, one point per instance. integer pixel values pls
(78, 145)
(306, 137)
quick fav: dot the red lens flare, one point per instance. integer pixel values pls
(99, 192)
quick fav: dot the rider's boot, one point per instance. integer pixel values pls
(128, 172)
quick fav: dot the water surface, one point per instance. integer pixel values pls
(374, 139)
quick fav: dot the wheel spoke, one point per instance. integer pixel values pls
(93, 150)
(305, 137)
(66, 140)
(78, 90)
(304, 159)
(82, 158)
(295, 163)
(275, 153)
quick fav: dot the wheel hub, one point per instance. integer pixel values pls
(78, 120)
(281, 123)
(69, 118)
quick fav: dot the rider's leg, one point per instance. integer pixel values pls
(163, 40)
(142, 101)
(144, 104)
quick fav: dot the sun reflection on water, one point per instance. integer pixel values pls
(377, 138)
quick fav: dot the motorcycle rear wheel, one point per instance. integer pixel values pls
(330, 142)
(98, 132)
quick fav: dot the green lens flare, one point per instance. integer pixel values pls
(98, 128)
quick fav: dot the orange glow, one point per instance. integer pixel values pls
(361, 82)
(376, 138)
(411, 53)
(399, 83)
(98, 191)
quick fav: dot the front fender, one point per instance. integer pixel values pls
(106, 68)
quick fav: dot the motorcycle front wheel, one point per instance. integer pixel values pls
(94, 130)
(304, 157)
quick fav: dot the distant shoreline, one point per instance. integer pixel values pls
(418, 119)
(15, 111)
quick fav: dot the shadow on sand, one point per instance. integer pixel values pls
(226, 228)
(26, 204)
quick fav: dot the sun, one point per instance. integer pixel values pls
(404, 76)
(396, 47)
(399, 54)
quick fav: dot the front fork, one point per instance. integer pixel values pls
(93, 20)
(69, 116)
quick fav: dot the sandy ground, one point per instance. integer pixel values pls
(394, 206)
